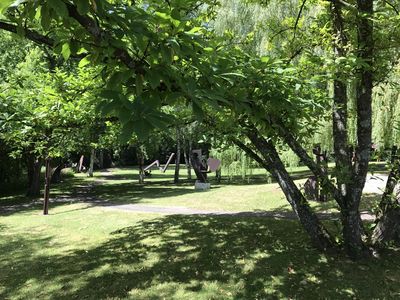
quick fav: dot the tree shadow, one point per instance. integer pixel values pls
(220, 257)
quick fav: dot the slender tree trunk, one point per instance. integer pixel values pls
(178, 155)
(80, 164)
(92, 156)
(319, 171)
(271, 161)
(140, 156)
(47, 187)
(186, 155)
(34, 166)
(387, 227)
(101, 159)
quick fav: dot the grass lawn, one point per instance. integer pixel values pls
(83, 251)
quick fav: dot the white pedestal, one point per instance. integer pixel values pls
(201, 186)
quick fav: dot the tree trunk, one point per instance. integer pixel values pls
(178, 155)
(271, 161)
(388, 219)
(56, 176)
(47, 187)
(140, 156)
(101, 160)
(353, 230)
(351, 179)
(92, 155)
(186, 155)
(34, 166)
(80, 164)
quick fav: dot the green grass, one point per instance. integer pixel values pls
(120, 186)
(84, 251)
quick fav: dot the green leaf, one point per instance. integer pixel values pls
(110, 94)
(142, 128)
(198, 111)
(125, 116)
(265, 59)
(153, 77)
(163, 16)
(59, 7)
(139, 84)
(45, 19)
(84, 61)
(175, 13)
(234, 74)
(65, 51)
(83, 6)
(5, 4)
(127, 132)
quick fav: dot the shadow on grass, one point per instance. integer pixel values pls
(76, 190)
(214, 257)
(70, 190)
(134, 193)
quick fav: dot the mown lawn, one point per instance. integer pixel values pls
(120, 186)
(84, 251)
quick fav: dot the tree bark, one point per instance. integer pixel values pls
(101, 160)
(80, 164)
(34, 166)
(140, 156)
(47, 187)
(316, 169)
(387, 227)
(178, 155)
(271, 161)
(91, 165)
(352, 225)
(186, 154)
(351, 180)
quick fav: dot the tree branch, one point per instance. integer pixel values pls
(250, 153)
(298, 18)
(34, 36)
(393, 7)
(291, 141)
(99, 34)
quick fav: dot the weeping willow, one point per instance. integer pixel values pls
(234, 162)
(258, 28)
(386, 116)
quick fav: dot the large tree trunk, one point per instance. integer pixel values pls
(178, 155)
(34, 166)
(271, 161)
(352, 225)
(351, 179)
